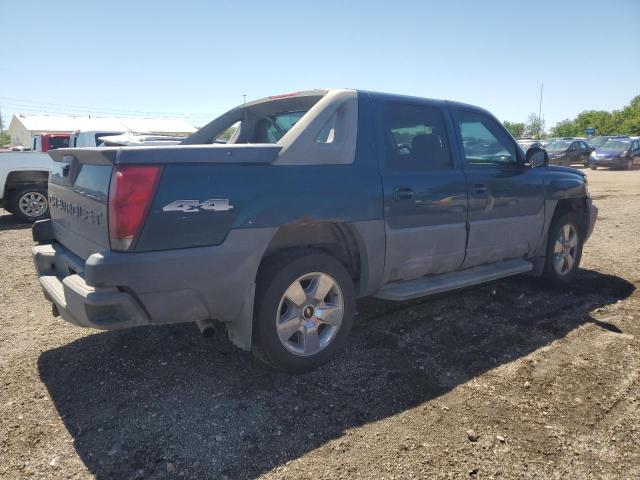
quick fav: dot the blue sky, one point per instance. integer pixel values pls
(197, 58)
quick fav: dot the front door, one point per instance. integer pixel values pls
(579, 152)
(425, 196)
(506, 198)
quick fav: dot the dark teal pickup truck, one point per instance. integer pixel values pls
(314, 199)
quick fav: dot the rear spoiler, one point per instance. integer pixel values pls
(256, 153)
(100, 156)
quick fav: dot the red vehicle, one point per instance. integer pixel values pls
(50, 141)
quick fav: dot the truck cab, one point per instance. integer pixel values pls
(43, 142)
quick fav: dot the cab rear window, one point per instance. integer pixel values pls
(272, 128)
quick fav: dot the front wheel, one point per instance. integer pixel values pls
(29, 203)
(305, 305)
(564, 249)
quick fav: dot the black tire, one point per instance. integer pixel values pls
(551, 273)
(276, 275)
(20, 193)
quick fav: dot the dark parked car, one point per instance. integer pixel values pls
(568, 152)
(616, 153)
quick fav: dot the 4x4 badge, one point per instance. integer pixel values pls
(188, 206)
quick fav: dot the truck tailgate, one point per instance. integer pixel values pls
(80, 181)
(78, 201)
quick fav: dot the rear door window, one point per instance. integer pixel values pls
(415, 138)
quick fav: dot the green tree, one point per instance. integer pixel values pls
(565, 128)
(623, 122)
(5, 138)
(516, 129)
(534, 126)
(630, 117)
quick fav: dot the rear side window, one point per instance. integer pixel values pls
(415, 138)
(484, 141)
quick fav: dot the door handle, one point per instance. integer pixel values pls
(402, 193)
(480, 189)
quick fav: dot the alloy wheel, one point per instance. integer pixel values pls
(310, 313)
(565, 250)
(33, 204)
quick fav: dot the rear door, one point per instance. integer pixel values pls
(506, 199)
(425, 198)
(582, 152)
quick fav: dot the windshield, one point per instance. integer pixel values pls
(558, 146)
(616, 145)
(597, 141)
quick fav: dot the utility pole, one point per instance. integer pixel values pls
(540, 113)
(1, 124)
(244, 98)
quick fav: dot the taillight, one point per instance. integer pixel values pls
(130, 194)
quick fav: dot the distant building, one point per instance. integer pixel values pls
(23, 127)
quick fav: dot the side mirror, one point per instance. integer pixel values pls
(537, 157)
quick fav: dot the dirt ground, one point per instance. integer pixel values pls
(508, 380)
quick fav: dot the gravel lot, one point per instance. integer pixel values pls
(512, 379)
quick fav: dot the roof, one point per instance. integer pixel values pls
(47, 123)
(50, 123)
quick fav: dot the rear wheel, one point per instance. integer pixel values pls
(305, 305)
(564, 249)
(29, 203)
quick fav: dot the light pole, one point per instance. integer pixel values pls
(540, 113)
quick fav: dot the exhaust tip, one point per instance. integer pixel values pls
(207, 328)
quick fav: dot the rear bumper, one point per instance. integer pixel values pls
(75, 300)
(114, 290)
